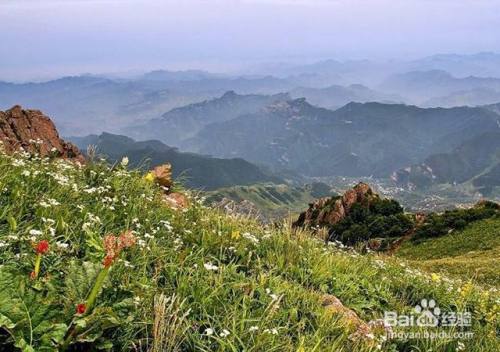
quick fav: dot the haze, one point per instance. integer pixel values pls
(44, 39)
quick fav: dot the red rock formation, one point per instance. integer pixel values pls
(329, 211)
(32, 131)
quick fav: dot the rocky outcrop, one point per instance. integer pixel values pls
(329, 211)
(33, 132)
(162, 176)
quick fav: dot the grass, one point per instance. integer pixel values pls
(216, 283)
(272, 201)
(470, 253)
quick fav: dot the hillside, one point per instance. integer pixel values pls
(355, 140)
(195, 171)
(193, 280)
(472, 252)
(475, 159)
(267, 201)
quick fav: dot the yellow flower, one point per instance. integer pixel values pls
(235, 235)
(150, 177)
(466, 289)
(435, 277)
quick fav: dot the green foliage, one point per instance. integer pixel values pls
(381, 218)
(243, 286)
(440, 224)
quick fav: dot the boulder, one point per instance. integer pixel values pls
(329, 211)
(33, 132)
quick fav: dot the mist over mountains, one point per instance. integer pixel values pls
(331, 118)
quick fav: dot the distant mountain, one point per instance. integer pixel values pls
(176, 76)
(335, 96)
(324, 73)
(476, 159)
(92, 104)
(184, 122)
(357, 139)
(493, 107)
(486, 64)
(195, 171)
(421, 86)
(472, 97)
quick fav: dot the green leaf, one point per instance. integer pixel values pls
(23, 345)
(29, 315)
(80, 278)
(12, 223)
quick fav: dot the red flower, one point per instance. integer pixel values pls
(80, 308)
(42, 247)
(108, 260)
(115, 244)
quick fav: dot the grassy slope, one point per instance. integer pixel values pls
(470, 253)
(273, 201)
(268, 278)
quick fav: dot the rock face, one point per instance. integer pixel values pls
(32, 131)
(329, 211)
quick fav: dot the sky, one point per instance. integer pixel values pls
(46, 38)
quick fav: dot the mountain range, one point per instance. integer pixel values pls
(439, 88)
(355, 140)
(185, 122)
(195, 171)
(476, 160)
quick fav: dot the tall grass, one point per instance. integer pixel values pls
(196, 280)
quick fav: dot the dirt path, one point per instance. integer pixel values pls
(420, 220)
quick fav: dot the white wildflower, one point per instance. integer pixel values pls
(124, 161)
(34, 232)
(210, 266)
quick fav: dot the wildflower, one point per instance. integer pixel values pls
(209, 331)
(253, 328)
(435, 277)
(272, 331)
(210, 266)
(114, 245)
(124, 161)
(251, 238)
(80, 308)
(34, 232)
(62, 245)
(42, 247)
(150, 177)
(225, 333)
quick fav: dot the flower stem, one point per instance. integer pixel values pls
(75, 330)
(97, 288)
(37, 265)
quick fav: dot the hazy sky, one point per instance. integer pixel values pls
(43, 38)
